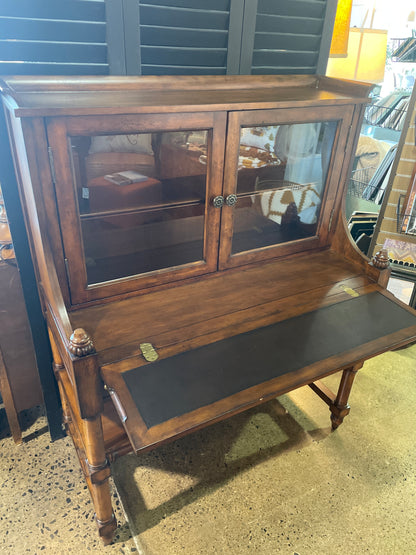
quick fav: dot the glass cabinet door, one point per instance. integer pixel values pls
(277, 175)
(140, 200)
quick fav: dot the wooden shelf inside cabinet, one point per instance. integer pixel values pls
(223, 277)
(138, 210)
(107, 199)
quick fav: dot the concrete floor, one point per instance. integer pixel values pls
(45, 507)
(274, 480)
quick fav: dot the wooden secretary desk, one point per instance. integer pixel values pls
(191, 251)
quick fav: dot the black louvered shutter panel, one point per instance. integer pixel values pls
(53, 37)
(288, 36)
(184, 36)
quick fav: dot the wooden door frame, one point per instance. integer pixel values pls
(276, 117)
(61, 128)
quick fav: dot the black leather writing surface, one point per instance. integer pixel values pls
(174, 386)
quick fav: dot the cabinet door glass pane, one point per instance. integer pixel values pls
(141, 200)
(282, 170)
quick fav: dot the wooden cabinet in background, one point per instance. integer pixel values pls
(191, 251)
(19, 380)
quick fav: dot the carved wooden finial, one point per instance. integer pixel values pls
(80, 343)
(381, 259)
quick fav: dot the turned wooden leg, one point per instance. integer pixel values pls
(98, 479)
(58, 366)
(89, 442)
(340, 407)
(66, 413)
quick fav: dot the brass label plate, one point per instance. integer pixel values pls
(149, 352)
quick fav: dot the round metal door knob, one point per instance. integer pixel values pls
(231, 200)
(218, 201)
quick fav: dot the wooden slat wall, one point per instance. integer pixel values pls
(184, 36)
(164, 37)
(53, 37)
(400, 181)
(168, 37)
(288, 36)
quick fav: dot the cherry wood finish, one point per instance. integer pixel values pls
(99, 332)
(121, 95)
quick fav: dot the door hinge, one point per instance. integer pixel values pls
(148, 352)
(348, 138)
(52, 164)
(331, 217)
(349, 291)
(68, 277)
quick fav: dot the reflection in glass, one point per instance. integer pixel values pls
(282, 172)
(141, 201)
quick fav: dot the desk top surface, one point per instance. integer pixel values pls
(171, 387)
(219, 305)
